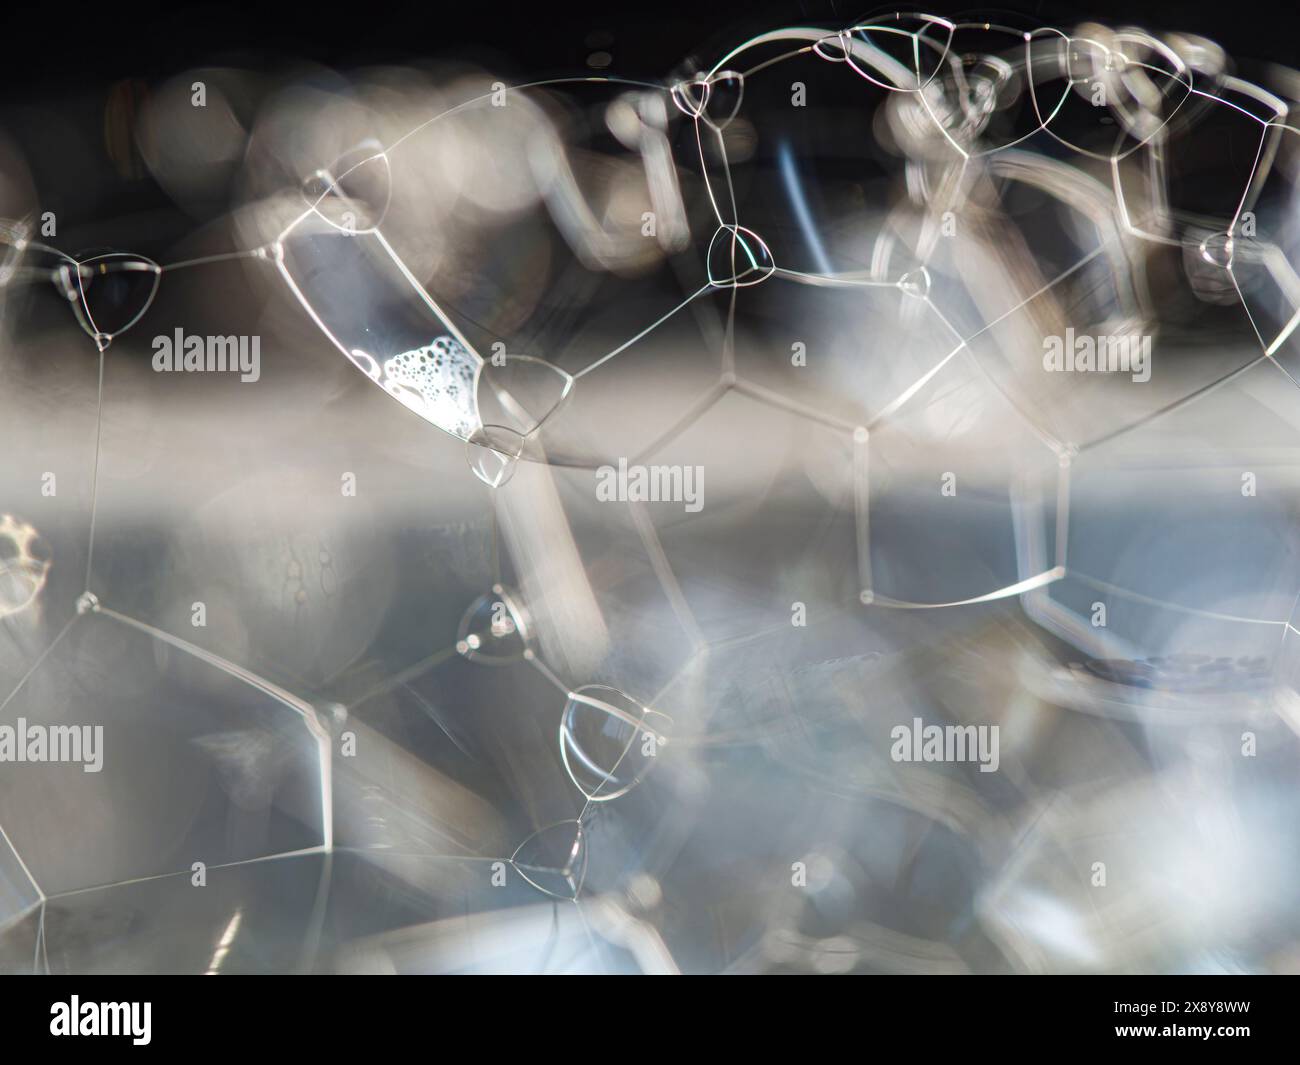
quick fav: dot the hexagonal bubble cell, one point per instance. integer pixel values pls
(609, 741)
(129, 756)
(254, 917)
(978, 99)
(1103, 94)
(1260, 254)
(341, 913)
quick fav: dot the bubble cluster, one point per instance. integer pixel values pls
(874, 231)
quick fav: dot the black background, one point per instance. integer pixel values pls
(62, 63)
(68, 47)
(979, 1015)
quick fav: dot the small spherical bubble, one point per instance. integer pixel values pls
(738, 258)
(495, 630)
(554, 859)
(492, 451)
(609, 741)
(916, 283)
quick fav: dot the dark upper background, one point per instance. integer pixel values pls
(62, 60)
(60, 47)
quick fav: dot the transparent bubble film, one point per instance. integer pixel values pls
(829, 508)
